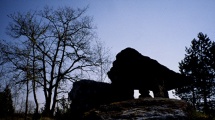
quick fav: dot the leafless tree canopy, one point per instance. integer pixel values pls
(50, 48)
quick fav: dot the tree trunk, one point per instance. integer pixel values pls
(47, 111)
(36, 113)
(35, 98)
(26, 101)
(54, 99)
(34, 83)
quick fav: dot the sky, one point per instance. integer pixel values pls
(160, 29)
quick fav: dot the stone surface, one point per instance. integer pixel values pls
(143, 109)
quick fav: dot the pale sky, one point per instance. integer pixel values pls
(159, 29)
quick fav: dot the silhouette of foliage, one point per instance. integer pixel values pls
(6, 103)
(199, 64)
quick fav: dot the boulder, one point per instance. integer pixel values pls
(89, 94)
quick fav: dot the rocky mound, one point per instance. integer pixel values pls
(143, 109)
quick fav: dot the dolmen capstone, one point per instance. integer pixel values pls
(131, 70)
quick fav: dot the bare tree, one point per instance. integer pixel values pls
(103, 61)
(59, 47)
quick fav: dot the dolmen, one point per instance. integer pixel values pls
(131, 70)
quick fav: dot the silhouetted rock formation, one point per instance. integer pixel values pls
(131, 70)
(143, 109)
(88, 94)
